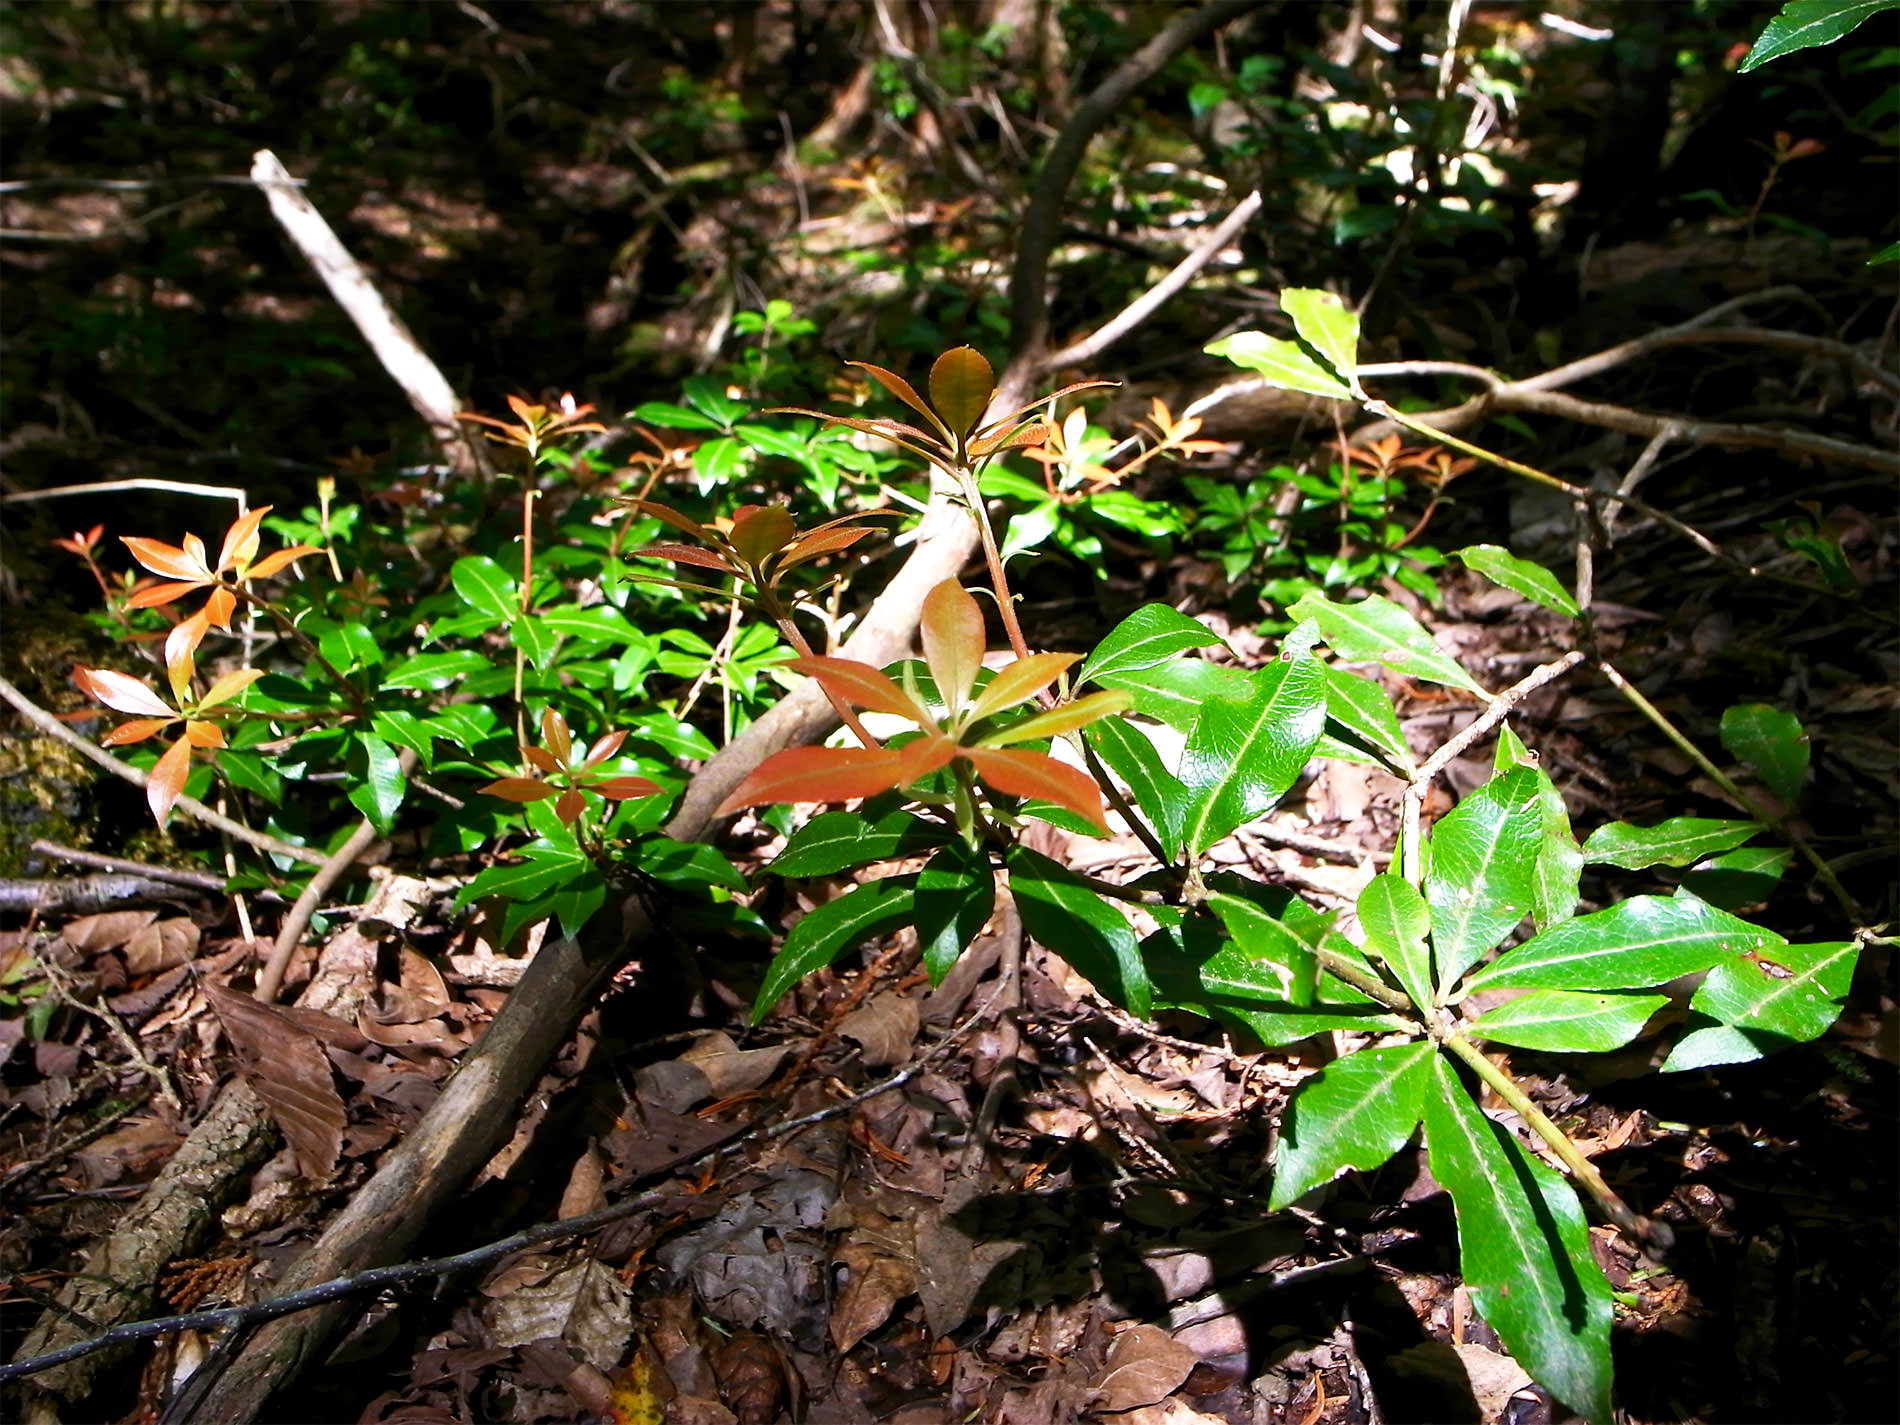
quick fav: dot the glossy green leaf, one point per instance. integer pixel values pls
(377, 782)
(1481, 876)
(1197, 967)
(1362, 709)
(1643, 941)
(1567, 1021)
(250, 773)
(1772, 742)
(1784, 995)
(535, 639)
(1280, 363)
(1061, 911)
(1270, 946)
(485, 586)
(1520, 576)
(1376, 630)
(1396, 921)
(546, 866)
(672, 417)
(1524, 1249)
(435, 671)
(1802, 24)
(956, 891)
(682, 863)
(835, 841)
(1244, 753)
(870, 910)
(1739, 878)
(1155, 791)
(1676, 842)
(1326, 324)
(601, 624)
(1152, 634)
(1355, 1113)
(1558, 870)
(1173, 692)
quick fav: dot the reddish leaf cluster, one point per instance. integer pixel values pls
(952, 631)
(759, 545)
(573, 771)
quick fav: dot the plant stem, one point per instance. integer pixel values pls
(1715, 774)
(780, 615)
(993, 557)
(1581, 1168)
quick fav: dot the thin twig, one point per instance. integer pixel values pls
(104, 487)
(190, 806)
(63, 991)
(1412, 802)
(271, 978)
(1144, 306)
(198, 880)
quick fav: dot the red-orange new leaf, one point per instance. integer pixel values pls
(572, 770)
(952, 630)
(166, 781)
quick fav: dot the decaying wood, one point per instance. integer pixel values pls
(88, 895)
(421, 379)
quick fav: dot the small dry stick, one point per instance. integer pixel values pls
(1412, 804)
(190, 806)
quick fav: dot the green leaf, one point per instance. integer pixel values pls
(1270, 946)
(1364, 710)
(1060, 910)
(872, 909)
(250, 773)
(1802, 24)
(1772, 742)
(1567, 1021)
(956, 891)
(1197, 967)
(535, 639)
(1328, 325)
(1766, 1001)
(1156, 792)
(1280, 363)
(486, 587)
(1244, 753)
(1524, 1249)
(1173, 692)
(835, 841)
(435, 671)
(1676, 842)
(1643, 941)
(717, 461)
(1521, 576)
(1396, 920)
(1376, 630)
(377, 782)
(662, 729)
(601, 624)
(672, 417)
(1355, 1113)
(1739, 878)
(546, 866)
(404, 729)
(1889, 253)
(676, 863)
(1558, 871)
(1152, 634)
(1481, 878)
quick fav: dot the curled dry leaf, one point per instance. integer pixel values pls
(291, 1074)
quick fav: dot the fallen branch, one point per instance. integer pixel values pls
(87, 895)
(421, 380)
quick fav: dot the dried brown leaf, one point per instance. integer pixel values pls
(1145, 1365)
(879, 1271)
(291, 1074)
(161, 946)
(109, 931)
(886, 1028)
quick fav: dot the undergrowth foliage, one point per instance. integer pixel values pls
(541, 697)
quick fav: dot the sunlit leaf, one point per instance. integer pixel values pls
(1355, 1113)
(961, 384)
(819, 774)
(1481, 877)
(1061, 911)
(1521, 576)
(952, 631)
(1772, 742)
(1676, 842)
(862, 686)
(1036, 774)
(1019, 681)
(1280, 363)
(1396, 921)
(1567, 1021)
(1327, 325)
